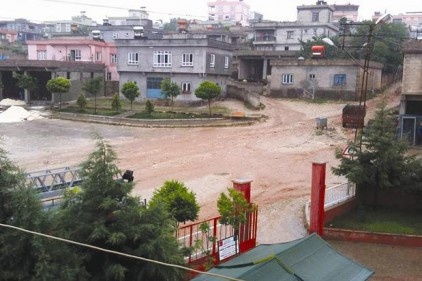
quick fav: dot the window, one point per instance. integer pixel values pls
(75, 55)
(113, 58)
(186, 87)
(212, 60)
(187, 60)
(41, 55)
(67, 27)
(315, 16)
(339, 79)
(311, 76)
(108, 76)
(226, 62)
(162, 59)
(132, 58)
(58, 27)
(115, 35)
(290, 34)
(287, 79)
(98, 56)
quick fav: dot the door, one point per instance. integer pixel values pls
(154, 88)
(408, 129)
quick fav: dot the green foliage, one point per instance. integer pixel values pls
(58, 85)
(81, 101)
(25, 81)
(171, 25)
(170, 89)
(93, 86)
(104, 214)
(381, 163)
(386, 42)
(208, 90)
(178, 200)
(116, 104)
(233, 208)
(149, 107)
(131, 91)
(25, 256)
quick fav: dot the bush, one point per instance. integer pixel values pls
(116, 104)
(81, 101)
(149, 107)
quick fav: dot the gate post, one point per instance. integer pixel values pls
(244, 186)
(317, 198)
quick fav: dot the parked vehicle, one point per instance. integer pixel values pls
(354, 116)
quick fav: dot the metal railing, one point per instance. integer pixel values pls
(334, 195)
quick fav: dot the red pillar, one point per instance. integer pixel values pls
(317, 198)
(244, 186)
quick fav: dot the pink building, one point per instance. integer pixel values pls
(76, 49)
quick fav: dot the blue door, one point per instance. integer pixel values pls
(154, 88)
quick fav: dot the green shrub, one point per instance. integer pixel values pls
(116, 104)
(149, 107)
(81, 101)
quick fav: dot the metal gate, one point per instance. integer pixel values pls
(154, 88)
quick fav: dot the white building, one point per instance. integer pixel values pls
(233, 10)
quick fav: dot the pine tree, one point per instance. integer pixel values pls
(380, 161)
(104, 214)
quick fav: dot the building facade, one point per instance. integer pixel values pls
(78, 50)
(410, 111)
(312, 21)
(235, 11)
(322, 78)
(186, 59)
(348, 11)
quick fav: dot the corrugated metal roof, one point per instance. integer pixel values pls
(309, 258)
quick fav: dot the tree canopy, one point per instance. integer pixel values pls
(93, 86)
(104, 214)
(131, 91)
(387, 40)
(208, 90)
(59, 85)
(177, 199)
(233, 208)
(380, 161)
(25, 81)
(170, 89)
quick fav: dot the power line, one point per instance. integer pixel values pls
(116, 253)
(118, 8)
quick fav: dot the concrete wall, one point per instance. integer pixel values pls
(322, 81)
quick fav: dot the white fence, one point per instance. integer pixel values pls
(334, 195)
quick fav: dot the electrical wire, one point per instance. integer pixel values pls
(117, 8)
(117, 253)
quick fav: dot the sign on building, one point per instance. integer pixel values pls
(228, 247)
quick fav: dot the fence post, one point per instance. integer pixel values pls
(317, 198)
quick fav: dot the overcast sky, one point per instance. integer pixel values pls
(278, 10)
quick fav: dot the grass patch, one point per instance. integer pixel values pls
(381, 220)
(169, 115)
(162, 109)
(90, 110)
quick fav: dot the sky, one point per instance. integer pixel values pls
(281, 10)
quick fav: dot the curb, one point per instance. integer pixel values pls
(159, 123)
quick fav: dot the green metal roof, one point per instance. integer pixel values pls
(309, 258)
